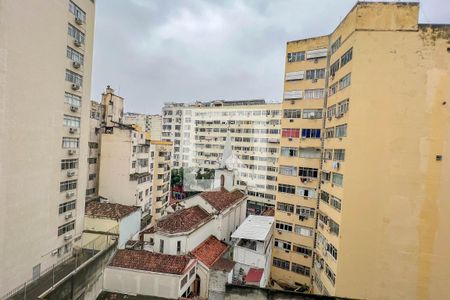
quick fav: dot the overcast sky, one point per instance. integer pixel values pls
(156, 51)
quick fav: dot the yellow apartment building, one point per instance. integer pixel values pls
(377, 223)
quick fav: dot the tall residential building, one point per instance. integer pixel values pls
(44, 99)
(95, 124)
(199, 132)
(376, 224)
(148, 123)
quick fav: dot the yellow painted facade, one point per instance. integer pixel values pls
(380, 225)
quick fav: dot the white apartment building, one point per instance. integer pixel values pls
(199, 132)
(148, 123)
(44, 158)
(94, 150)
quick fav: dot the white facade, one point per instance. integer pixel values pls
(44, 100)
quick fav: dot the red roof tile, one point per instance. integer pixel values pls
(222, 199)
(150, 261)
(183, 220)
(223, 264)
(254, 275)
(108, 210)
(149, 230)
(210, 250)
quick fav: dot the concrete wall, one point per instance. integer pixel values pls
(128, 227)
(129, 281)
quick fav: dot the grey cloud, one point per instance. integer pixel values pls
(153, 51)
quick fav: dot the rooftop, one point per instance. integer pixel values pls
(183, 220)
(150, 261)
(254, 275)
(223, 264)
(222, 199)
(254, 228)
(210, 250)
(113, 211)
(270, 212)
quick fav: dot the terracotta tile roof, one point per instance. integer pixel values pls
(222, 199)
(108, 210)
(254, 275)
(210, 250)
(149, 230)
(183, 220)
(270, 212)
(223, 264)
(150, 261)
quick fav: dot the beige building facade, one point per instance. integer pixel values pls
(148, 123)
(44, 158)
(379, 224)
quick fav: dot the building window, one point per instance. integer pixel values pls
(339, 154)
(75, 56)
(345, 81)
(326, 176)
(70, 142)
(314, 94)
(347, 57)
(327, 154)
(332, 250)
(332, 89)
(299, 269)
(288, 170)
(289, 151)
(70, 121)
(302, 250)
(66, 228)
(310, 133)
(330, 274)
(336, 45)
(92, 160)
(341, 131)
(77, 11)
(315, 74)
(67, 206)
(306, 192)
(183, 281)
(289, 208)
(281, 263)
(192, 272)
(283, 244)
(334, 68)
(283, 226)
(161, 246)
(178, 246)
(331, 111)
(334, 227)
(285, 188)
(67, 185)
(304, 231)
(336, 203)
(342, 107)
(338, 179)
(290, 132)
(292, 113)
(307, 172)
(72, 100)
(92, 176)
(305, 211)
(76, 34)
(74, 78)
(93, 145)
(90, 191)
(67, 164)
(312, 114)
(296, 56)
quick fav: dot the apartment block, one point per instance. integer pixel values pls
(148, 123)
(44, 95)
(199, 132)
(361, 203)
(95, 124)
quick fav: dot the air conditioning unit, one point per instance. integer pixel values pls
(290, 139)
(73, 108)
(76, 65)
(68, 216)
(78, 21)
(292, 101)
(73, 130)
(72, 152)
(67, 236)
(316, 60)
(54, 252)
(339, 115)
(301, 218)
(77, 43)
(75, 87)
(70, 173)
(70, 194)
(314, 80)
